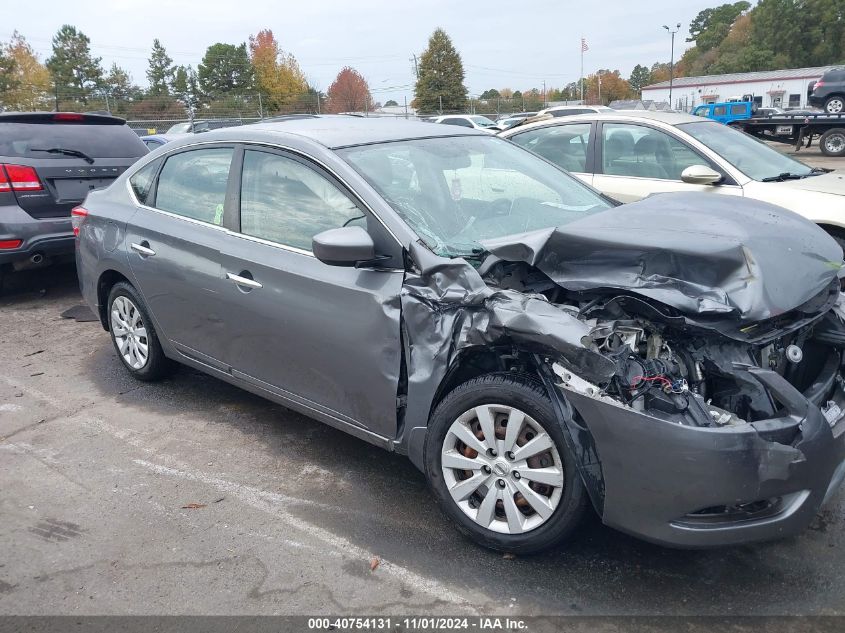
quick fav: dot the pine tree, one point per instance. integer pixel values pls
(160, 72)
(440, 86)
(640, 76)
(74, 70)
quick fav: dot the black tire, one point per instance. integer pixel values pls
(835, 105)
(832, 142)
(157, 365)
(528, 396)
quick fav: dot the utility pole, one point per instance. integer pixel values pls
(260, 106)
(598, 79)
(672, 59)
(318, 102)
(544, 95)
(440, 98)
(416, 66)
(406, 105)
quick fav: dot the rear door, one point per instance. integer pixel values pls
(325, 337)
(568, 146)
(69, 154)
(174, 241)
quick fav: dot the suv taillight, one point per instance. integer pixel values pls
(19, 178)
(77, 218)
(817, 85)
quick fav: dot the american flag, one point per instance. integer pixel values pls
(584, 46)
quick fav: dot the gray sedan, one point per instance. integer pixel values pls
(532, 347)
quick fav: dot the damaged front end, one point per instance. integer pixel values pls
(700, 384)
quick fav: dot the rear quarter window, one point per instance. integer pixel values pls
(98, 141)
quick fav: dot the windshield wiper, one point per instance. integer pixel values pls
(784, 176)
(66, 152)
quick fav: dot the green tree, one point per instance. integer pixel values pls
(185, 87)
(390, 104)
(640, 76)
(440, 85)
(160, 72)
(74, 70)
(225, 71)
(711, 26)
(490, 94)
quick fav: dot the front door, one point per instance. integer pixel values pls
(325, 337)
(635, 161)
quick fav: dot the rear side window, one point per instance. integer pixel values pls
(720, 110)
(738, 109)
(193, 184)
(142, 181)
(22, 140)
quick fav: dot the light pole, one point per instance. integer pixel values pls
(672, 59)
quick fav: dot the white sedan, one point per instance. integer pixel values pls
(630, 155)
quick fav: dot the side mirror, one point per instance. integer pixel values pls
(700, 175)
(343, 247)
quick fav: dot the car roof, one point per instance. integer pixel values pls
(342, 131)
(669, 118)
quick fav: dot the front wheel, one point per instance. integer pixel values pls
(832, 142)
(498, 464)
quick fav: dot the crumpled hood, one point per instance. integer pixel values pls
(699, 253)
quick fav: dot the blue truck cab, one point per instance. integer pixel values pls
(726, 112)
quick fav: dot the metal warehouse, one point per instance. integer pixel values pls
(771, 88)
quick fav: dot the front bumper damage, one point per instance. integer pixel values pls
(688, 486)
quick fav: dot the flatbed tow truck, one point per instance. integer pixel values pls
(795, 129)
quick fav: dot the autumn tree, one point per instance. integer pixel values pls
(349, 92)
(74, 70)
(24, 81)
(161, 71)
(277, 73)
(440, 86)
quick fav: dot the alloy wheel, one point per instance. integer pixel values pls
(502, 469)
(130, 334)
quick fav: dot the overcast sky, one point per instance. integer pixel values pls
(503, 44)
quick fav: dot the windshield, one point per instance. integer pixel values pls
(481, 121)
(457, 191)
(752, 157)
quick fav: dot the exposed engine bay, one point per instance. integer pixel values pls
(695, 374)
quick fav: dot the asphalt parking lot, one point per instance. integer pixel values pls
(192, 497)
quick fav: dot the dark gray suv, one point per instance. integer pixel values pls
(531, 346)
(49, 161)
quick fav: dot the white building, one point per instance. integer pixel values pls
(771, 88)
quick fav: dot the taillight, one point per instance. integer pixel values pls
(77, 218)
(19, 178)
(68, 116)
(5, 244)
(818, 84)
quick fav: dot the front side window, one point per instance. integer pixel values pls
(142, 181)
(455, 192)
(193, 184)
(564, 145)
(750, 156)
(288, 203)
(643, 152)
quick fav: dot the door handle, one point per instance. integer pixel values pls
(143, 249)
(243, 281)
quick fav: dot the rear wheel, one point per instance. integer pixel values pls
(499, 466)
(134, 336)
(835, 105)
(832, 142)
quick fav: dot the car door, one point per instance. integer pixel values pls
(567, 145)
(173, 241)
(323, 337)
(635, 160)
